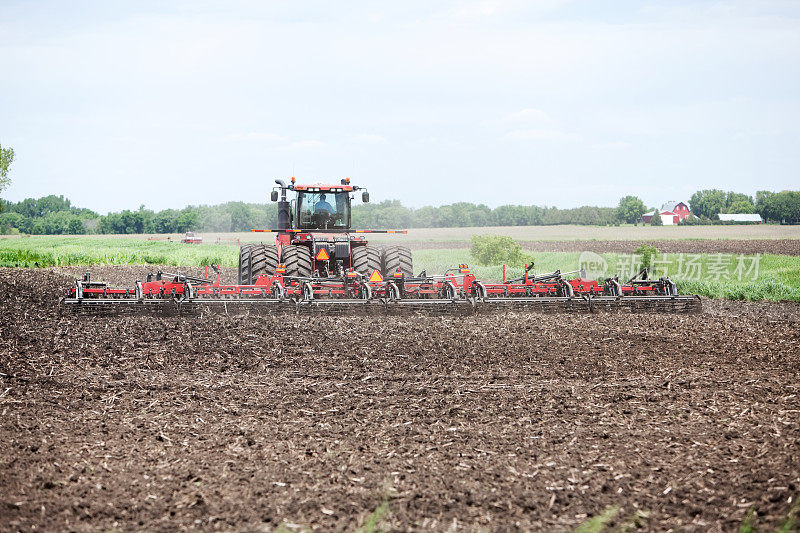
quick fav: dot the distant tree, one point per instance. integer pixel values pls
(164, 221)
(187, 220)
(741, 206)
(240, 217)
(11, 220)
(35, 208)
(6, 158)
(733, 197)
(76, 227)
(708, 203)
(424, 217)
(656, 220)
(511, 215)
(630, 209)
(783, 207)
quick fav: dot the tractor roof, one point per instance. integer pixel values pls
(323, 187)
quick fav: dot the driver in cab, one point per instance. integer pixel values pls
(322, 206)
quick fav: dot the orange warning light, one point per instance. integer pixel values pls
(322, 255)
(375, 277)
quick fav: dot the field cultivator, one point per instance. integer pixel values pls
(456, 290)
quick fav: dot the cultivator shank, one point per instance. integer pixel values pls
(455, 291)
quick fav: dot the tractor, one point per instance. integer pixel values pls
(314, 238)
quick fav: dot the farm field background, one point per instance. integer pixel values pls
(776, 276)
(527, 233)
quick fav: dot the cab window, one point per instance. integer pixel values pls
(323, 210)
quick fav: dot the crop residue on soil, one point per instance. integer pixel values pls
(489, 422)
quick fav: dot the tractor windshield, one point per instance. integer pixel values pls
(323, 210)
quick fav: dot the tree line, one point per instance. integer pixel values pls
(781, 207)
(55, 215)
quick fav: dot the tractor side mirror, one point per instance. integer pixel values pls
(365, 197)
(274, 196)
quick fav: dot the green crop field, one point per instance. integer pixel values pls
(772, 277)
(62, 250)
(733, 276)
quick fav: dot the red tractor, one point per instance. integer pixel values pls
(315, 240)
(191, 238)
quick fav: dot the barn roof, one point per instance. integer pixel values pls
(670, 206)
(739, 217)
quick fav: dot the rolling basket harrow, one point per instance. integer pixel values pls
(455, 291)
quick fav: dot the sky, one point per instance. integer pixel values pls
(558, 103)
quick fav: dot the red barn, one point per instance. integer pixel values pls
(679, 208)
(671, 213)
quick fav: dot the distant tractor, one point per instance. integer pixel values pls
(191, 238)
(314, 238)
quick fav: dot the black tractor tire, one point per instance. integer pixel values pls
(256, 259)
(244, 264)
(395, 257)
(297, 260)
(366, 260)
(265, 260)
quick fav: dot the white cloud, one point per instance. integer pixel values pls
(302, 145)
(255, 136)
(529, 115)
(480, 10)
(369, 139)
(542, 135)
(614, 145)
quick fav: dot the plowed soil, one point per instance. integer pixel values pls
(500, 422)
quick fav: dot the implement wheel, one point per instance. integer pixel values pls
(366, 259)
(298, 261)
(395, 257)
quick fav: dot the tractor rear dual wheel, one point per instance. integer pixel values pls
(297, 260)
(256, 259)
(366, 260)
(395, 257)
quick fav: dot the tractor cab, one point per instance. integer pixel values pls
(322, 207)
(317, 206)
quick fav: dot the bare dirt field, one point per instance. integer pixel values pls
(498, 422)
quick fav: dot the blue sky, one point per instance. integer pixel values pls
(551, 103)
